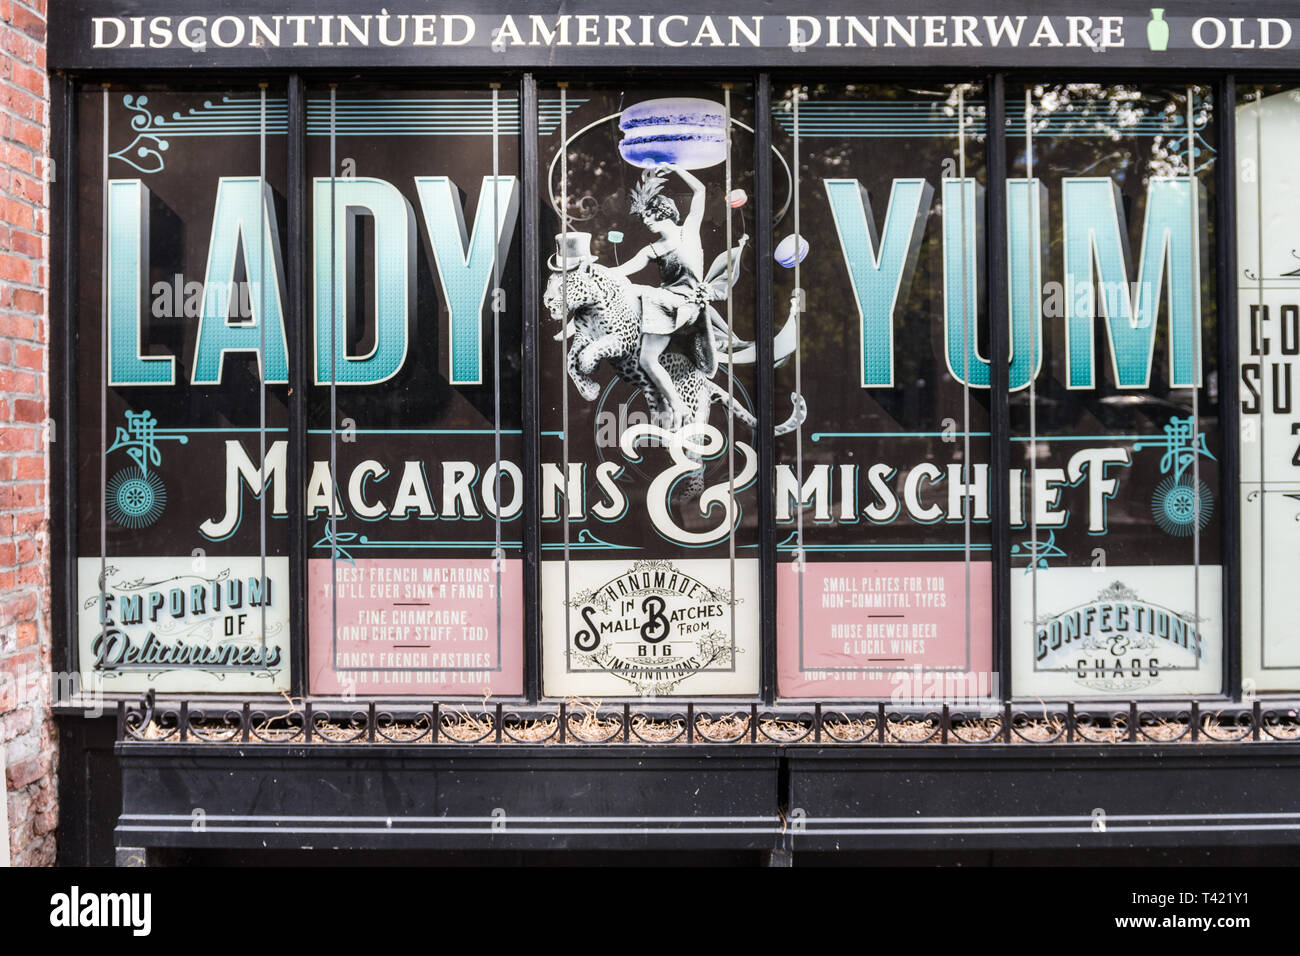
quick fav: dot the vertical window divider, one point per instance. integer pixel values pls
(1225, 242)
(532, 199)
(1194, 240)
(764, 332)
(298, 332)
(967, 467)
(731, 366)
(103, 356)
(498, 553)
(334, 380)
(564, 352)
(1034, 345)
(995, 226)
(261, 349)
(61, 433)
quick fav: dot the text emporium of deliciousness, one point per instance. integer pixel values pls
(670, 31)
(848, 493)
(1098, 287)
(181, 611)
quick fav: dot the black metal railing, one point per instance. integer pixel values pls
(578, 722)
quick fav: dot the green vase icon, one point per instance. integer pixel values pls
(1158, 31)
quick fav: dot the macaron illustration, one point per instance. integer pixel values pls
(791, 250)
(685, 131)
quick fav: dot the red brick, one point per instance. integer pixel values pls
(30, 135)
(22, 103)
(16, 327)
(15, 269)
(18, 722)
(18, 214)
(29, 468)
(20, 807)
(27, 357)
(24, 772)
(12, 380)
(29, 79)
(29, 410)
(29, 22)
(17, 439)
(19, 497)
(29, 523)
(30, 187)
(26, 300)
(19, 609)
(27, 634)
(26, 244)
(18, 158)
(21, 46)
(20, 665)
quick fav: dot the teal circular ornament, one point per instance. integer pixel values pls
(1179, 506)
(134, 500)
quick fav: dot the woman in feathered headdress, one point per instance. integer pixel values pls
(684, 291)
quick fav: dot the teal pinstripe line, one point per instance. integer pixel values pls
(885, 547)
(191, 431)
(354, 546)
(1051, 438)
(419, 431)
(818, 436)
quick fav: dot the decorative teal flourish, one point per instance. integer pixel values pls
(586, 541)
(147, 145)
(140, 440)
(791, 543)
(1177, 443)
(1038, 556)
(230, 116)
(332, 541)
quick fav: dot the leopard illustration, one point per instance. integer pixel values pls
(603, 323)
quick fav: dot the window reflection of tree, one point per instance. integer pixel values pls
(924, 394)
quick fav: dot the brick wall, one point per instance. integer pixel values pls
(26, 729)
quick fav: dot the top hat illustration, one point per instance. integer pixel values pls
(572, 249)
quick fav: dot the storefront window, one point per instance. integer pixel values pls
(414, 570)
(183, 582)
(1116, 568)
(882, 510)
(1268, 336)
(415, 494)
(650, 582)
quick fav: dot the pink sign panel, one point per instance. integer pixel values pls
(416, 627)
(895, 630)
